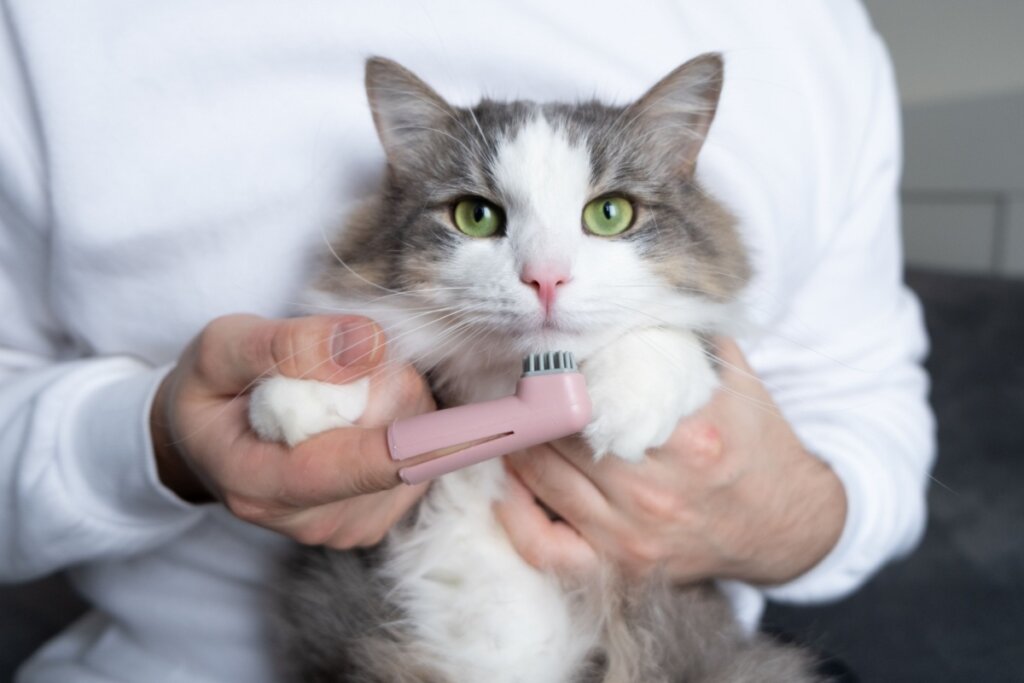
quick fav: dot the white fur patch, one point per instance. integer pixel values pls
(641, 386)
(480, 613)
(546, 180)
(292, 410)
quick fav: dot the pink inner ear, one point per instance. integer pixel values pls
(545, 278)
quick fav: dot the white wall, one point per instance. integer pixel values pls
(960, 65)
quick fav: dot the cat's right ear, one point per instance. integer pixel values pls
(407, 112)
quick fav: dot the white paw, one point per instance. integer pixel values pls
(640, 386)
(292, 410)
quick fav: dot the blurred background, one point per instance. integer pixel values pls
(960, 67)
(954, 610)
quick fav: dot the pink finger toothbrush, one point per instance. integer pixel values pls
(550, 402)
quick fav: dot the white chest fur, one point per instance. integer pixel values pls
(478, 611)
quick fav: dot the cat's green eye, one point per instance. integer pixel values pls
(608, 216)
(478, 217)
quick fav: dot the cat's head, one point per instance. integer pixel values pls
(545, 224)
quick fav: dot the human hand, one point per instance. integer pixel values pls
(339, 488)
(732, 494)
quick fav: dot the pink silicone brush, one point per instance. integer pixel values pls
(550, 402)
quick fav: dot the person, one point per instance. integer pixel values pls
(168, 173)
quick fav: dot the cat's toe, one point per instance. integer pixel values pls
(292, 410)
(628, 437)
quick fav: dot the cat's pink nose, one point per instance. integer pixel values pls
(545, 280)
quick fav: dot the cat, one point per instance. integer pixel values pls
(501, 230)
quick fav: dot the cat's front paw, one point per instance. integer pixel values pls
(641, 386)
(292, 410)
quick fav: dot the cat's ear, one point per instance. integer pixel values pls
(407, 112)
(677, 112)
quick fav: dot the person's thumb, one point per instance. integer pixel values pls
(233, 351)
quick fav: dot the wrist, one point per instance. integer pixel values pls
(172, 467)
(802, 524)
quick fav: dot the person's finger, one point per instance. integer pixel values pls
(357, 522)
(234, 350)
(327, 467)
(543, 543)
(605, 475)
(340, 463)
(734, 371)
(560, 485)
(368, 521)
(696, 444)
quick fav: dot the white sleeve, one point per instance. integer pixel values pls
(844, 363)
(77, 473)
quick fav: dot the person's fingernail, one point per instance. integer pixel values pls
(355, 342)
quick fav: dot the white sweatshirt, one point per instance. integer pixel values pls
(163, 163)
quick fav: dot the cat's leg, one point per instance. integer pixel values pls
(337, 623)
(468, 596)
(641, 385)
(336, 619)
(292, 410)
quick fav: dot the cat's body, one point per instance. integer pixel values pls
(447, 598)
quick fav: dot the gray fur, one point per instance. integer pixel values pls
(337, 621)
(337, 625)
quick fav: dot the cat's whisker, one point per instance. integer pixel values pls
(769, 408)
(707, 353)
(749, 325)
(388, 362)
(270, 372)
(363, 309)
(337, 257)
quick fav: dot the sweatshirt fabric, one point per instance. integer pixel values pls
(163, 163)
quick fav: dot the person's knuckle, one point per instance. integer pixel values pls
(634, 488)
(209, 346)
(365, 475)
(656, 504)
(373, 537)
(253, 348)
(574, 509)
(359, 480)
(285, 345)
(361, 537)
(313, 533)
(641, 551)
(533, 551)
(530, 467)
(364, 480)
(411, 392)
(244, 507)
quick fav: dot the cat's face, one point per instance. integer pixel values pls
(547, 224)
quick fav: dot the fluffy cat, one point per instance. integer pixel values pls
(501, 230)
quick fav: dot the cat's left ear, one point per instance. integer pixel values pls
(677, 112)
(408, 113)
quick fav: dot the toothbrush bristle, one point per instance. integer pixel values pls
(549, 362)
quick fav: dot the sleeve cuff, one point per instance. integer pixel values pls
(110, 441)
